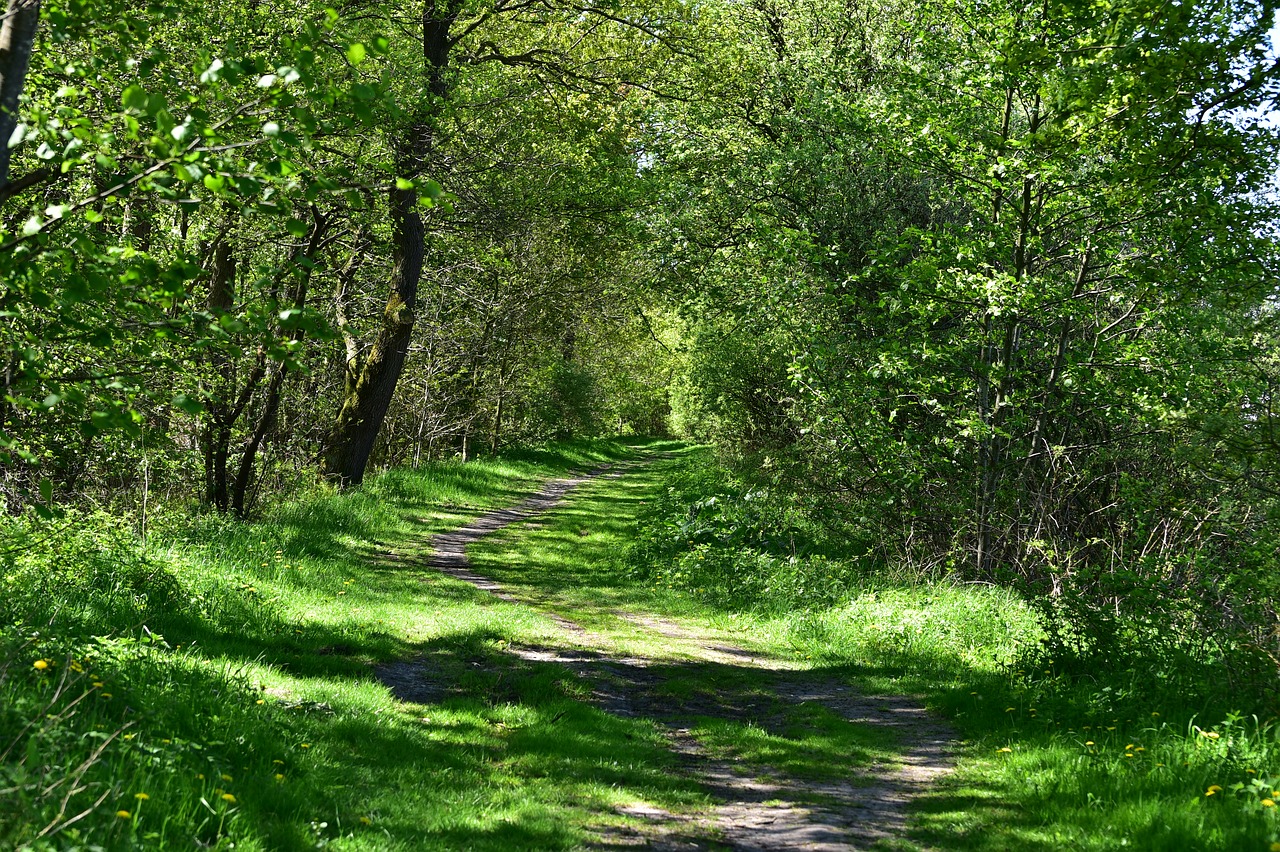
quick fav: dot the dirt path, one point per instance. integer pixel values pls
(760, 808)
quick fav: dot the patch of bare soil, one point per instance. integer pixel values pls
(760, 808)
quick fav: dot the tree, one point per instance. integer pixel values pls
(1006, 255)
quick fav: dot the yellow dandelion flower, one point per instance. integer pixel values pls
(1111, 728)
(1088, 742)
(1006, 750)
(1139, 748)
(279, 777)
(167, 742)
(1213, 788)
(1128, 747)
(106, 695)
(1154, 713)
(366, 821)
(227, 797)
(260, 701)
(278, 762)
(305, 745)
(97, 684)
(226, 777)
(40, 665)
(1268, 803)
(141, 797)
(123, 814)
(200, 776)
(1275, 847)
(1008, 709)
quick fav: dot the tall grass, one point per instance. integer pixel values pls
(1153, 750)
(215, 689)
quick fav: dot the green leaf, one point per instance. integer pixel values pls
(355, 53)
(296, 227)
(213, 73)
(46, 490)
(188, 404)
(134, 98)
(404, 183)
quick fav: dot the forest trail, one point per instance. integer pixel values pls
(759, 807)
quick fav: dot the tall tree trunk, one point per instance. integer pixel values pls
(17, 39)
(221, 411)
(271, 401)
(365, 407)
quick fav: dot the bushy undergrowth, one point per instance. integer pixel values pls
(1170, 742)
(737, 546)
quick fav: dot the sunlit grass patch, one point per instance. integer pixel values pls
(232, 698)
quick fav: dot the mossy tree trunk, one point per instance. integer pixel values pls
(365, 407)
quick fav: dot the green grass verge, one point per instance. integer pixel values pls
(1145, 753)
(218, 690)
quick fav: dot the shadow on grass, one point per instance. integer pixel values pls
(493, 752)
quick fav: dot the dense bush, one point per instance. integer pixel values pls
(738, 545)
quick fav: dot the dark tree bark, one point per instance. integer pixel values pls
(365, 408)
(217, 432)
(17, 39)
(225, 404)
(271, 400)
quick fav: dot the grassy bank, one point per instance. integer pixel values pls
(1154, 751)
(218, 689)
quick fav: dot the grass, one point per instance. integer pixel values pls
(219, 688)
(1147, 753)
